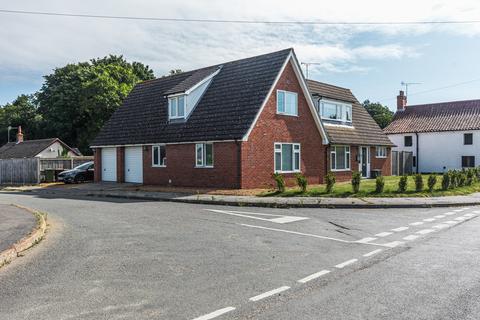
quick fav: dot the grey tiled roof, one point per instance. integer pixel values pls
(364, 130)
(27, 149)
(193, 79)
(445, 116)
(225, 112)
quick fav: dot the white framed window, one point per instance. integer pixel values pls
(381, 152)
(336, 111)
(204, 155)
(287, 157)
(159, 156)
(176, 107)
(340, 158)
(287, 103)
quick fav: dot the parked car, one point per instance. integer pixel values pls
(81, 173)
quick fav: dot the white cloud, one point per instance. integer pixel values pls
(40, 43)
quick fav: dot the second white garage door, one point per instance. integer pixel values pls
(133, 164)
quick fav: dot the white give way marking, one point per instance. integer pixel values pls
(276, 218)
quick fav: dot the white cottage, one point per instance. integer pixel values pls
(435, 137)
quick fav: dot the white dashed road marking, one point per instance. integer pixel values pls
(383, 234)
(450, 213)
(366, 240)
(400, 229)
(371, 253)
(269, 293)
(411, 237)
(458, 210)
(440, 216)
(441, 226)
(346, 263)
(451, 222)
(393, 244)
(425, 231)
(314, 276)
(469, 215)
(418, 223)
(429, 220)
(459, 218)
(215, 314)
(276, 218)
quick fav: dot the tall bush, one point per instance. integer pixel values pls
(302, 182)
(279, 181)
(432, 181)
(330, 181)
(471, 176)
(418, 182)
(453, 179)
(402, 184)
(379, 184)
(356, 177)
(446, 180)
(462, 179)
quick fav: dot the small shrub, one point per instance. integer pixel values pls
(379, 184)
(471, 176)
(302, 182)
(356, 177)
(280, 181)
(418, 182)
(432, 181)
(446, 180)
(330, 181)
(462, 179)
(453, 179)
(402, 184)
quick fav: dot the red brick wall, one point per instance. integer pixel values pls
(181, 170)
(120, 164)
(258, 151)
(97, 158)
(385, 164)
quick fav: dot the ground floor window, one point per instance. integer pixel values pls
(381, 152)
(468, 161)
(287, 157)
(340, 158)
(204, 155)
(159, 156)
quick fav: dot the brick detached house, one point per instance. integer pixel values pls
(435, 137)
(233, 125)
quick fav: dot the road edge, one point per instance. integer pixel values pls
(34, 237)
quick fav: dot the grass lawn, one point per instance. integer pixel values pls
(367, 189)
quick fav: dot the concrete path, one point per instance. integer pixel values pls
(15, 223)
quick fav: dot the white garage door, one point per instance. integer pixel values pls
(109, 164)
(133, 164)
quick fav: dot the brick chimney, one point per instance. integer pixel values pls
(19, 135)
(401, 101)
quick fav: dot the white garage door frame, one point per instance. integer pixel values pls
(109, 164)
(134, 164)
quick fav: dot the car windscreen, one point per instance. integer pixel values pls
(84, 166)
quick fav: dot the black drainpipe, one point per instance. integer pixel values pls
(416, 153)
(239, 163)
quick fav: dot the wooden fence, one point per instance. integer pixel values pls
(33, 170)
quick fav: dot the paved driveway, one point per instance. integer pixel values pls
(115, 259)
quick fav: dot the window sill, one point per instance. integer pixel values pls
(380, 157)
(295, 171)
(287, 114)
(340, 170)
(203, 167)
(158, 166)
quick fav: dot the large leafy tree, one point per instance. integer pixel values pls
(380, 113)
(76, 100)
(21, 112)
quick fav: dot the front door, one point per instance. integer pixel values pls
(364, 165)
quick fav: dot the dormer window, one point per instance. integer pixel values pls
(335, 111)
(176, 107)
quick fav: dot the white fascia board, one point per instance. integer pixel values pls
(203, 81)
(306, 92)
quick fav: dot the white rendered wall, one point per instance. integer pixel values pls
(54, 151)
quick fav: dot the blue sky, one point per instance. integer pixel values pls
(370, 60)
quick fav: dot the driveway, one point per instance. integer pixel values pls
(118, 259)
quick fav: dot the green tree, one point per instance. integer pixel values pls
(76, 100)
(380, 113)
(21, 112)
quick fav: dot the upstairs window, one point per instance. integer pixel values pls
(287, 157)
(468, 138)
(336, 111)
(204, 155)
(287, 103)
(381, 152)
(159, 156)
(176, 107)
(408, 141)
